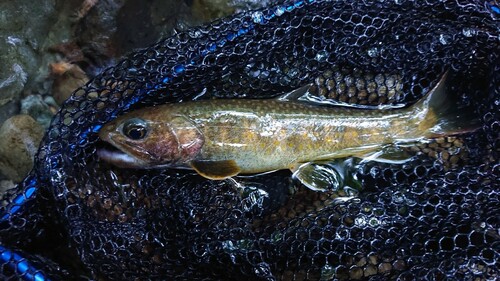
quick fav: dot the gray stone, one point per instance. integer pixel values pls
(6, 185)
(36, 107)
(23, 30)
(8, 110)
(20, 137)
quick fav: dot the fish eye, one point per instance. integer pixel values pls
(135, 128)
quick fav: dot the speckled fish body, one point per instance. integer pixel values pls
(223, 138)
(265, 135)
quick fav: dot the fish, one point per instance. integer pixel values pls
(223, 138)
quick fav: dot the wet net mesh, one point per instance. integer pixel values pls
(433, 218)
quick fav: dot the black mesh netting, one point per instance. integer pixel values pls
(434, 218)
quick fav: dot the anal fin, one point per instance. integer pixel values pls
(216, 170)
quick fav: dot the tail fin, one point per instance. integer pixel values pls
(438, 114)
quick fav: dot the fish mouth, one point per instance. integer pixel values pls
(117, 157)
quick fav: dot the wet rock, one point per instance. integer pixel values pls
(71, 52)
(5, 185)
(12, 82)
(20, 137)
(108, 29)
(167, 17)
(112, 28)
(27, 28)
(38, 109)
(94, 32)
(212, 9)
(67, 77)
(208, 10)
(245, 5)
(23, 29)
(8, 110)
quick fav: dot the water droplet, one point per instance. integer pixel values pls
(360, 221)
(276, 236)
(374, 222)
(373, 52)
(374, 172)
(228, 245)
(327, 272)
(444, 39)
(254, 73)
(321, 56)
(195, 34)
(398, 198)
(264, 74)
(279, 11)
(351, 192)
(469, 32)
(367, 208)
(258, 17)
(292, 73)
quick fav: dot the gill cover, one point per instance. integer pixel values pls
(189, 138)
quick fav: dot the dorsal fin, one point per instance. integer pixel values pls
(295, 94)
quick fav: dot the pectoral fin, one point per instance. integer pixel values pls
(216, 170)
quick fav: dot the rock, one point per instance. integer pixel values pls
(51, 102)
(20, 137)
(245, 5)
(12, 84)
(212, 9)
(24, 27)
(36, 107)
(112, 28)
(8, 110)
(67, 77)
(6, 185)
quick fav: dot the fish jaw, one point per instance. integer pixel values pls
(120, 156)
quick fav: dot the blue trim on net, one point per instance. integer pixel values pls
(14, 207)
(21, 266)
(494, 8)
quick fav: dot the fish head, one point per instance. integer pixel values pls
(150, 140)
